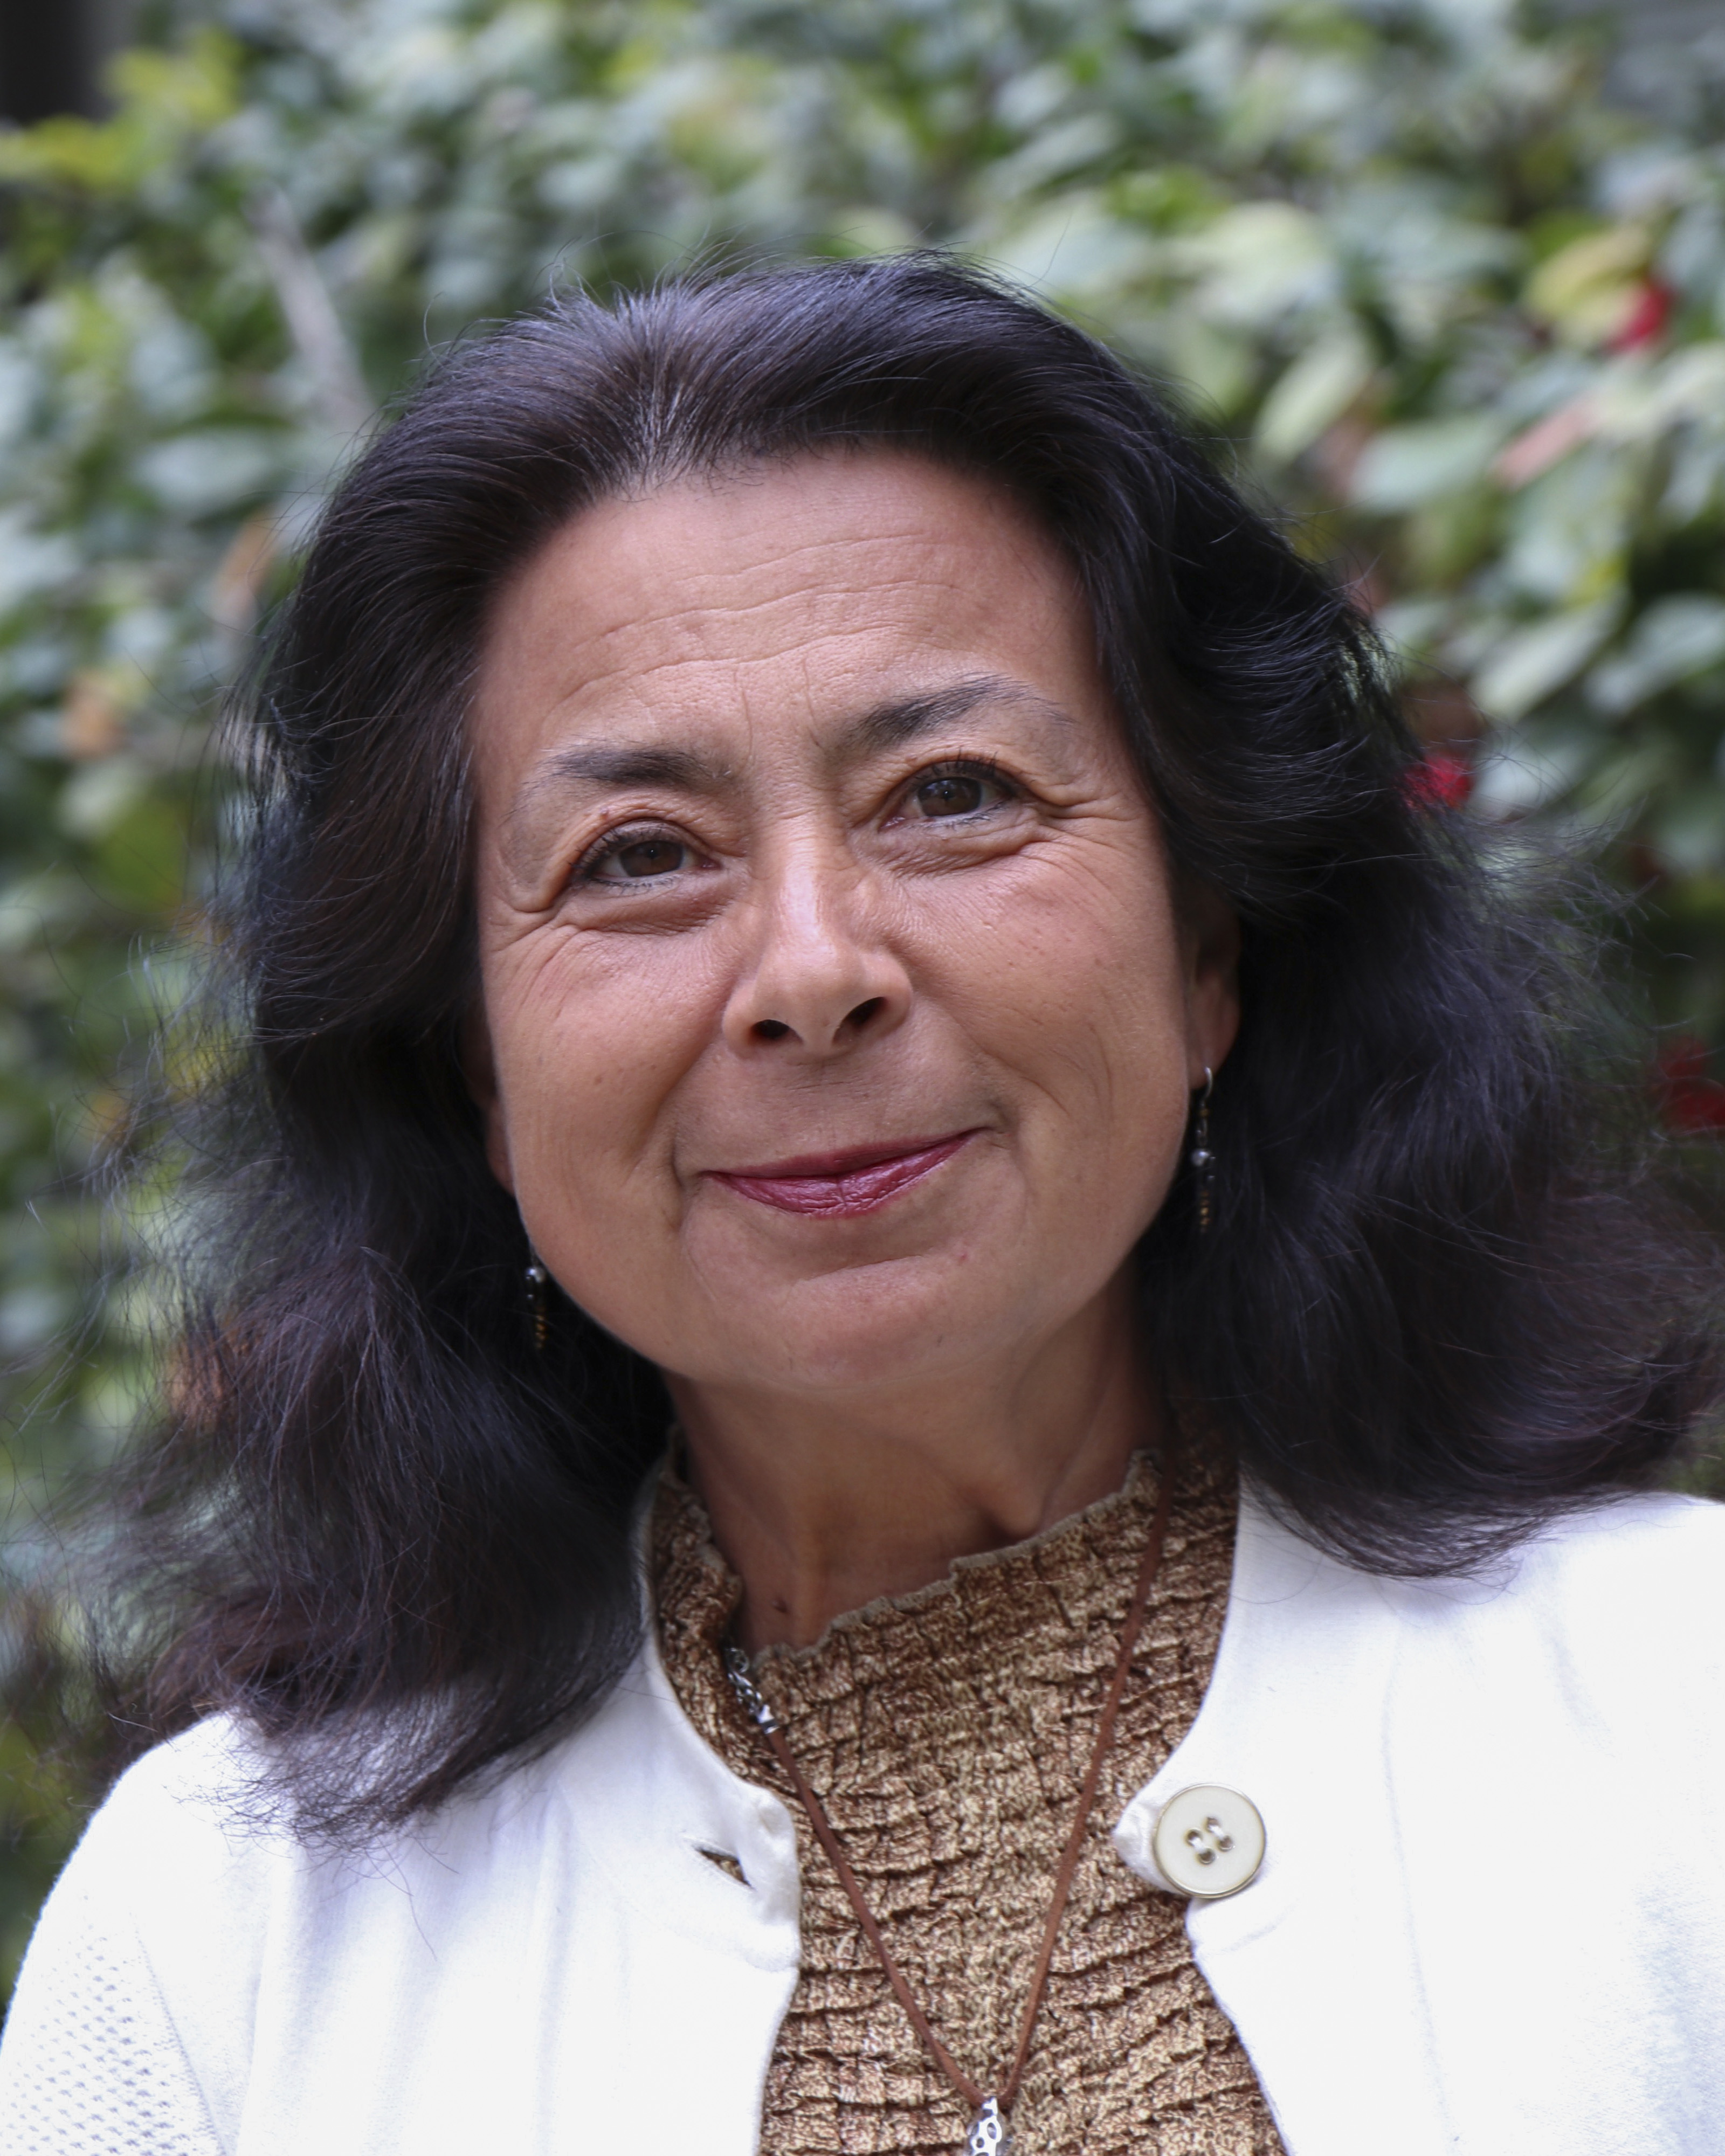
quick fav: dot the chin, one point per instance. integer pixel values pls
(913, 1321)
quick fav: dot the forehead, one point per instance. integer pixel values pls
(787, 595)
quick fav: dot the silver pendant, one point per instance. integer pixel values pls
(988, 2135)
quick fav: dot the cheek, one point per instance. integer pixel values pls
(1077, 985)
(589, 1042)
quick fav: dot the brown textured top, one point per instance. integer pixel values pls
(947, 1732)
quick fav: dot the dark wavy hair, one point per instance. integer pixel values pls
(1441, 1297)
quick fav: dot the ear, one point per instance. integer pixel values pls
(1211, 952)
(478, 1073)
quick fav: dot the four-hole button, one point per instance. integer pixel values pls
(1209, 1842)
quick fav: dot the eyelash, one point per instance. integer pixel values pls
(617, 841)
(962, 767)
(624, 835)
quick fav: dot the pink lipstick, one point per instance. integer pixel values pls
(841, 1185)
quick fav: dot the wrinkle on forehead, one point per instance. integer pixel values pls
(805, 555)
(623, 643)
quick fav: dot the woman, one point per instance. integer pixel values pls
(819, 882)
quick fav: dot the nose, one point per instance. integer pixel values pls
(819, 979)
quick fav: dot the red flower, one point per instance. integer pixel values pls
(1645, 323)
(1440, 779)
(1689, 1100)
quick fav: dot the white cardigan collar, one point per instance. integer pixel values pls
(1492, 1911)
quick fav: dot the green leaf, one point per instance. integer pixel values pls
(1404, 467)
(1677, 637)
(1313, 393)
(1531, 663)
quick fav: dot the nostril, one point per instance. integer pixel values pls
(769, 1029)
(864, 1012)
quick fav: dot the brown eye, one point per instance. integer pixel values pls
(644, 857)
(953, 793)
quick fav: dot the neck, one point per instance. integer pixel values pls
(823, 1503)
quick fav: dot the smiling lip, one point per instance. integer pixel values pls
(841, 1185)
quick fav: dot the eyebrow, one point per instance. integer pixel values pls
(594, 766)
(632, 764)
(888, 725)
(906, 719)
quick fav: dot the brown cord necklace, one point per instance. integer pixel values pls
(988, 2135)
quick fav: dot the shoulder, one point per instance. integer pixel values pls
(1635, 1560)
(199, 1807)
(1679, 1538)
(1660, 1526)
(1621, 1610)
(1610, 1579)
(1585, 1663)
(1612, 1617)
(193, 1910)
(1663, 1557)
(198, 1847)
(180, 1868)
(135, 1995)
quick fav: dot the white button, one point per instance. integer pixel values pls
(1209, 1842)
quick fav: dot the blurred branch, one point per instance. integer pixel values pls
(343, 401)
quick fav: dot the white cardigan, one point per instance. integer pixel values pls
(1492, 1917)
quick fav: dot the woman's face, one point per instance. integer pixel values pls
(838, 1026)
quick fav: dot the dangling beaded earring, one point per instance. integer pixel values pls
(1202, 1159)
(537, 1278)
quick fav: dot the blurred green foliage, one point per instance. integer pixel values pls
(1461, 316)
